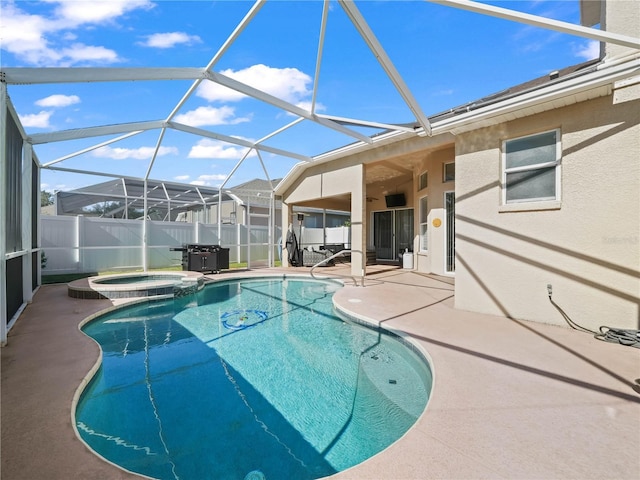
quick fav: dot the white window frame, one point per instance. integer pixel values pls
(423, 237)
(424, 175)
(556, 162)
(444, 172)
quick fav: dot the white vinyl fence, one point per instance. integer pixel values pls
(315, 237)
(88, 244)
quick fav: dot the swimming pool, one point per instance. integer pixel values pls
(253, 377)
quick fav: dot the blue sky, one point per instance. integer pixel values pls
(446, 57)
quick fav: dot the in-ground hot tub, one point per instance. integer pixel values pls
(131, 285)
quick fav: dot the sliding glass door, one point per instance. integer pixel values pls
(383, 234)
(450, 242)
(392, 233)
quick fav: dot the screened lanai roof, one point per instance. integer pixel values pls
(199, 103)
(167, 199)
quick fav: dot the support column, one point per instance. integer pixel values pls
(286, 224)
(358, 226)
(39, 231)
(239, 241)
(324, 226)
(270, 233)
(80, 243)
(3, 214)
(27, 201)
(249, 233)
(219, 217)
(145, 226)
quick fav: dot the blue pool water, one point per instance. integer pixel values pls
(247, 378)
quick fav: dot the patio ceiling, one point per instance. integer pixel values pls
(358, 130)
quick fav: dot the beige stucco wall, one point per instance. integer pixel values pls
(337, 179)
(621, 17)
(433, 259)
(588, 249)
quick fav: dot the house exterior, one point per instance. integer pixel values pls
(530, 198)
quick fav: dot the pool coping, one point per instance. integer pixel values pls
(95, 288)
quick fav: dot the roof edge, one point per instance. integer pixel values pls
(600, 75)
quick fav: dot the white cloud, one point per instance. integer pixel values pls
(20, 31)
(209, 180)
(589, 51)
(61, 187)
(58, 101)
(207, 148)
(289, 84)
(306, 105)
(217, 176)
(210, 116)
(41, 39)
(142, 153)
(80, 53)
(443, 93)
(529, 39)
(181, 178)
(73, 14)
(170, 40)
(36, 120)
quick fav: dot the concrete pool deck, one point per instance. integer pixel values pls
(512, 399)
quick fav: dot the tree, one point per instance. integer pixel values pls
(116, 210)
(46, 198)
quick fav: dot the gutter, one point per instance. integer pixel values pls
(581, 83)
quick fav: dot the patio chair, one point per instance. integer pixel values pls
(311, 256)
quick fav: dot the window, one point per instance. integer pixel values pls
(531, 168)
(424, 223)
(449, 172)
(422, 181)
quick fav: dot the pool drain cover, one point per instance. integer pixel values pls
(255, 475)
(241, 319)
